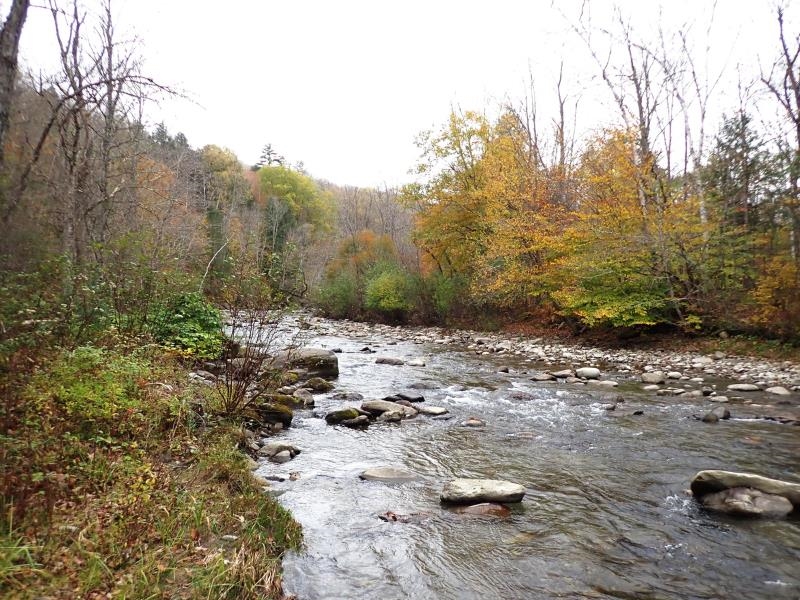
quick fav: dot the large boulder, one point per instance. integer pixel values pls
(711, 482)
(475, 491)
(314, 361)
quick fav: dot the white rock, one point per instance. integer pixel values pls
(674, 375)
(743, 387)
(653, 377)
(473, 491)
(433, 411)
(778, 390)
(588, 373)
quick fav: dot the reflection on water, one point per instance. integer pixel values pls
(605, 516)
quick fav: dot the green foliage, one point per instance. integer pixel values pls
(388, 292)
(610, 293)
(338, 295)
(448, 293)
(96, 390)
(104, 458)
(189, 324)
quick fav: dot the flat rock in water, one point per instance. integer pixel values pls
(389, 360)
(416, 362)
(563, 374)
(433, 411)
(388, 474)
(778, 390)
(604, 383)
(747, 502)
(348, 396)
(474, 491)
(543, 377)
(743, 387)
(484, 509)
(712, 481)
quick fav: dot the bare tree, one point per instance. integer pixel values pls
(783, 83)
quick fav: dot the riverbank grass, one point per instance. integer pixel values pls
(118, 482)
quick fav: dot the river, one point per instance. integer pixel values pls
(606, 514)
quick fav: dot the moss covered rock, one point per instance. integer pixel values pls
(343, 414)
(272, 412)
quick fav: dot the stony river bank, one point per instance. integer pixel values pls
(599, 446)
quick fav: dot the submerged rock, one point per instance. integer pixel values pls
(473, 491)
(359, 422)
(473, 422)
(713, 481)
(484, 509)
(747, 502)
(389, 360)
(388, 474)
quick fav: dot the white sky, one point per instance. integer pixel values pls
(345, 86)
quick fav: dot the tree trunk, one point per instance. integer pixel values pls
(9, 47)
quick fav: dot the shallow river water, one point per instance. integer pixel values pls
(605, 515)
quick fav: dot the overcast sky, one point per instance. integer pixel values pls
(346, 86)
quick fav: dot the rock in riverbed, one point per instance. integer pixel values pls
(588, 373)
(388, 475)
(740, 498)
(389, 360)
(272, 449)
(474, 491)
(378, 407)
(654, 377)
(743, 387)
(484, 509)
(337, 417)
(314, 361)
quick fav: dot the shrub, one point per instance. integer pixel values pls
(388, 293)
(190, 324)
(338, 296)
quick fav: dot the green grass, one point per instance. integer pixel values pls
(110, 490)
